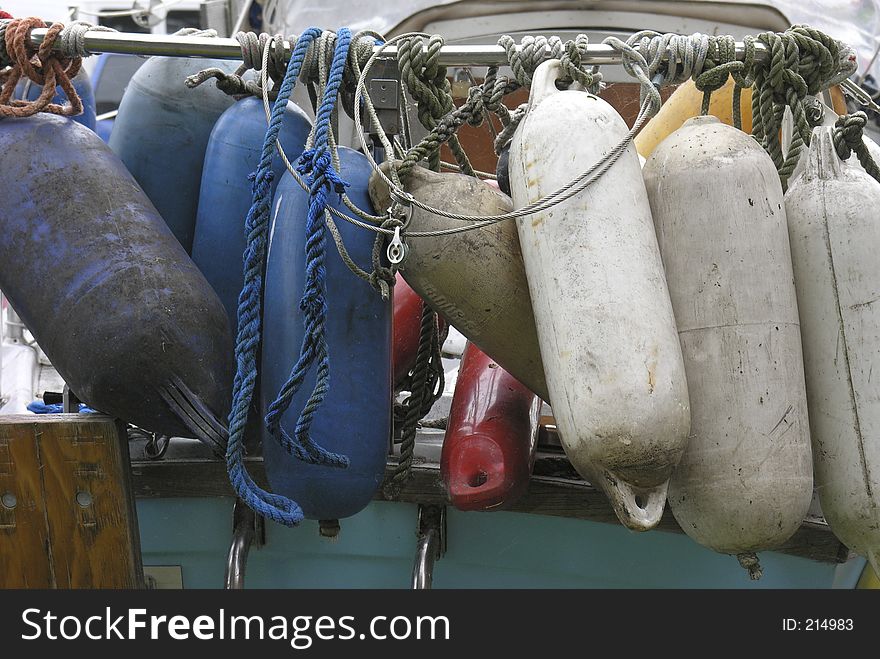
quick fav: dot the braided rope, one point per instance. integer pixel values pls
(847, 138)
(72, 40)
(316, 165)
(418, 60)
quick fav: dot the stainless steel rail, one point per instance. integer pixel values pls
(227, 48)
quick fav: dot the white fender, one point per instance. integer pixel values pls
(835, 242)
(605, 324)
(474, 279)
(745, 481)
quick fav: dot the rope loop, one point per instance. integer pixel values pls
(316, 165)
(72, 39)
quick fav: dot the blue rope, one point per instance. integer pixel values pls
(317, 169)
(272, 506)
(39, 407)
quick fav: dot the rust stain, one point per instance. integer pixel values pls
(651, 365)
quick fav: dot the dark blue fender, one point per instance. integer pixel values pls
(122, 312)
(355, 418)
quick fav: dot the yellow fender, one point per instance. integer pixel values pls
(869, 579)
(686, 101)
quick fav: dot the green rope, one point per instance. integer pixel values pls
(802, 62)
(427, 82)
(847, 138)
(426, 383)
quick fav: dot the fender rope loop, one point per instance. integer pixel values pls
(426, 384)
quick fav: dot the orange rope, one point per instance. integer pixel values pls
(42, 66)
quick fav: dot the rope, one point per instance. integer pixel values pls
(482, 100)
(72, 40)
(39, 407)
(749, 561)
(427, 382)
(487, 97)
(316, 166)
(430, 88)
(802, 61)
(232, 84)
(43, 66)
(272, 506)
(5, 60)
(381, 278)
(253, 47)
(847, 138)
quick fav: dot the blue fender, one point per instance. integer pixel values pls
(355, 418)
(162, 131)
(232, 155)
(122, 312)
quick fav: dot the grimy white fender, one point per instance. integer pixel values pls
(835, 240)
(602, 310)
(474, 279)
(745, 481)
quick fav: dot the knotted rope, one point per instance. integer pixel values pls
(749, 561)
(426, 80)
(43, 66)
(72, 40)
(847, 138)
(252, 48)
(802, 61)
(436, 108)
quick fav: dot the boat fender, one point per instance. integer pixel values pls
(834, 245)
(603, 314)
(491, 435)
(162, 131)
(475, 279)
(231, 157)
(745, 481)
(126, 318)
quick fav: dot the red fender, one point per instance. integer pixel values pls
(491, 435)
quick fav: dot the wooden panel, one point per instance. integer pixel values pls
(547, 495)
(88, 536)
(478, 142)
(23, 531)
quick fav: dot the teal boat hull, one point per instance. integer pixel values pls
(376, 548)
